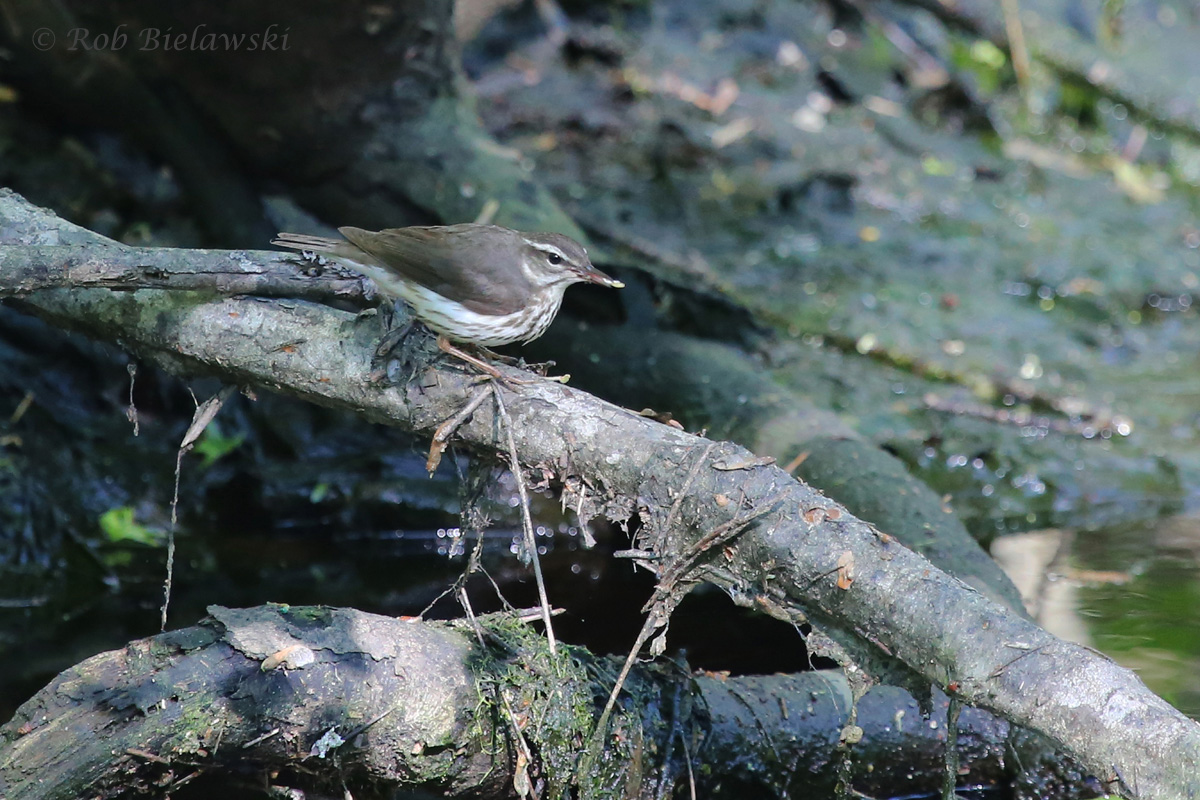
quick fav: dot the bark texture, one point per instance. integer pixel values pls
(262, 688)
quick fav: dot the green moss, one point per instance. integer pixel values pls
(555, 700)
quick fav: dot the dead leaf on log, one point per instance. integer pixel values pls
(845, 570)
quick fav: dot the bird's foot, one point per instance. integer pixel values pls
(543, 368)
(507, 380)
(401, 352)
(539, 368)
(503, 359)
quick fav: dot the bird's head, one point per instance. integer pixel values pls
(551, 258)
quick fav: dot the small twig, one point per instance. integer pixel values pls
(21, 408)
(687, 759)
(655, 619)
(444, 431)
(687, 485)
(521, 781)
(354, 732)
(474, 563)
(204, 414)
(667, 596)
(527, 522)
(459, 586)
(659, 606)
(718, 536)
(499, 592)
(146, 755)
(534, 614)
(1016, 46)
(131, 413)
(639, 555)
(664, 776)
(1026, 652)
(170, 579)
(471, 567)
(521, 769)
(261, 739)
(472, 620)
(950, 764)
(451, 589)
(487, 212)
(186, 779)
(554, 19)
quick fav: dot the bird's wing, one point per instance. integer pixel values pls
(475, 265)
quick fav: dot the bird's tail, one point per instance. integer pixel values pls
(317, 244)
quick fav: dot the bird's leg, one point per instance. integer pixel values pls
(449, 349)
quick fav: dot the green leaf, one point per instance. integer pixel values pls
(214, 445)
(119, 525)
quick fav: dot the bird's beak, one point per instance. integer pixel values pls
(590, 274)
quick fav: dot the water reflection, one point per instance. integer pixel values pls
(1132, 592)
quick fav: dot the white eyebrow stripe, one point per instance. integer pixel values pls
(549, 248)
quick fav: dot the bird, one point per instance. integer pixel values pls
(473, 284)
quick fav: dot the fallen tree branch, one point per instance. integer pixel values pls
(710, 385)
(30, 268)
(791, 561)
(329, 697)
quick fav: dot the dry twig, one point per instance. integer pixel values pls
(527, 521)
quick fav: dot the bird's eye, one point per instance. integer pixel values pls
(554, 258)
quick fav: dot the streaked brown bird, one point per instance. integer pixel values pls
(476, 284)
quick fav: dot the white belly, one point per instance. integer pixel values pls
(458, 323)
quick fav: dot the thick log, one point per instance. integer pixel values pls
(324, 697)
